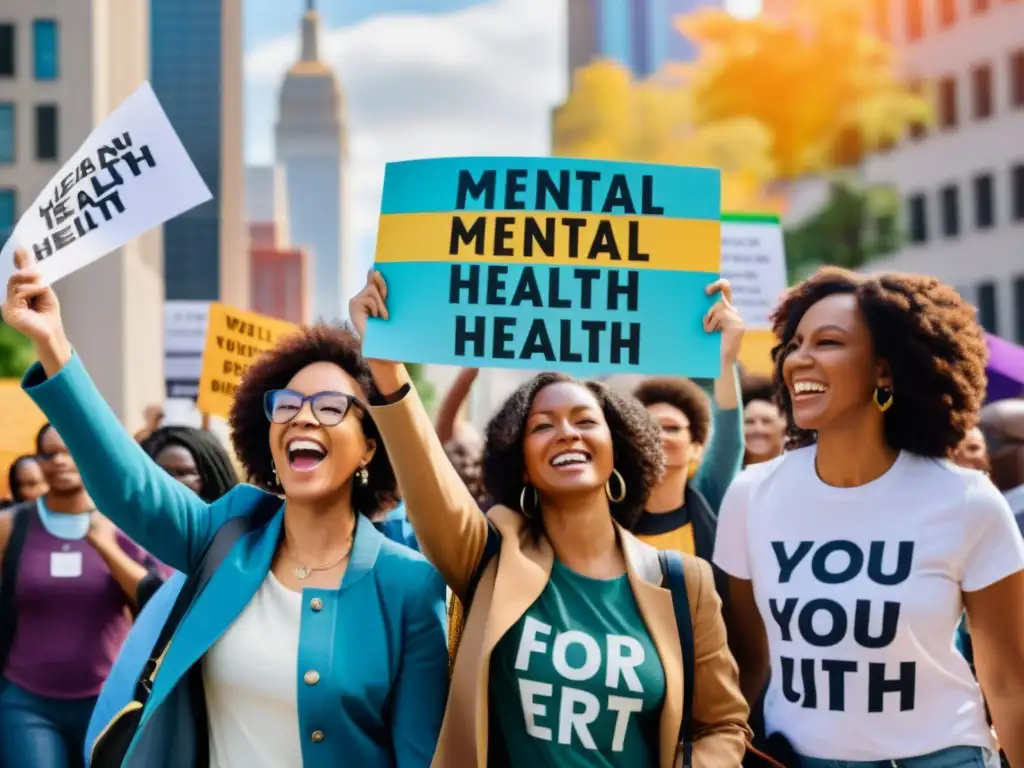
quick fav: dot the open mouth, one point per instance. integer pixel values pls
(570, 459)
(803, 390)
(305, 455)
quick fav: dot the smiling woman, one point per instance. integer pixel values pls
(270, 638)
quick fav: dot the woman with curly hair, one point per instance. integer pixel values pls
(853, 554)
(316, 641)
(570, 653)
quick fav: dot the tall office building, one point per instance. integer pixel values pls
(63, 68)
(311, 145)
(197, 75)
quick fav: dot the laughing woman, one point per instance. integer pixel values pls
(570, 654)
(317, 642)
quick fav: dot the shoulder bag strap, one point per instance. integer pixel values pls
(672, 570)
(491, 548)
(9, 576)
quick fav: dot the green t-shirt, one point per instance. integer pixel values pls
(577, 681)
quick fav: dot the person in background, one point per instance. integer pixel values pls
(536, 680)
(1002, 423)
(197, 460)
(764, 426)
(154, 418)
(461, 441)
(682, 510)
(854, 554)
(77, 579)
(972, 453)
(317, 641)
(25, 479)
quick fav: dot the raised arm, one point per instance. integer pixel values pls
(141, 499)
(723, 457)
(449, 525)
(448, 413)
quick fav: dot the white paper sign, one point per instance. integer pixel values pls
(754, 262)
(185, 325)
(130, 175)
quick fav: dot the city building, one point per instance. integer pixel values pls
(62, 71)
(311, 146)
(197, 75)
(266, 194)
(961, 181)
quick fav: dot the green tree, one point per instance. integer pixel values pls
(427, 392)
(16, 353)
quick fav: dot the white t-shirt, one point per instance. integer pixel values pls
(251, 684)
(861, 590)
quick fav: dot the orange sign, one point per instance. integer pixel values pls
(756, 352)
(20, 421)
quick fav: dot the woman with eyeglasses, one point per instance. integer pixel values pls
(317, 642)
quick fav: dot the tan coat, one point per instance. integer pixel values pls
(452, 532)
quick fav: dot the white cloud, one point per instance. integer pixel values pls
(481, 81)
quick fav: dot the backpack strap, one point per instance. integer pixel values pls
(9, 575)
(672, 571)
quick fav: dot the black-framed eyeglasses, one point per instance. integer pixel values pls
(329, 408)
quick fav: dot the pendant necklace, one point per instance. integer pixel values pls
(303, 572)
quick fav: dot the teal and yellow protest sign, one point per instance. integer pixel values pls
(581, 266)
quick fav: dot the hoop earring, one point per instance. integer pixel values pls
(883, 398)
(522, 501)
(622, 487)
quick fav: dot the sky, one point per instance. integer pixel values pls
(421, 78)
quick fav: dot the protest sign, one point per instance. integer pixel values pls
(21, 421)
(581, 266)
(130, 175)
(234, 340)
(185, 324)
(754, 262)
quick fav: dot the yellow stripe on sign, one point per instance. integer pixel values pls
(535, 238)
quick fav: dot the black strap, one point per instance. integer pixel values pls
(9, 576)
(491, 548)
(672, 570)
(212, 556)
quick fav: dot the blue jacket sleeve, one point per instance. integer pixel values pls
(421, 688)
(723, 458)
(162, 515)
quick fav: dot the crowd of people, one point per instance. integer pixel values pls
(817, 569)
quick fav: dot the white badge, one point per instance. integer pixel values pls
(65, 565)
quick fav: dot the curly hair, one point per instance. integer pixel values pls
(250, 428)
(636, 446)
(929, 337)
(683, 395)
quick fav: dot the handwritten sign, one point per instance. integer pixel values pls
(21, 421)
(185, 325)
(130, 175)
(587, 267)
(754, 261)
(234, 340)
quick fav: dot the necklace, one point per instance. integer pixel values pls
(302, 572)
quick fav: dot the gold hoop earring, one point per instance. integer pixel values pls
(883, 398)
(522, 501)
(622, 487)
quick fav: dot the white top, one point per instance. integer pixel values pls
(860, 590)
(251, 681)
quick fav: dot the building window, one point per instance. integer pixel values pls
(915, 19)
(980, 6)
(987, 314)
(7, 50)
(984, 201)
(1017, 191)
(946, 13)
(46, 49)
(8, 212)
(46, 132)
(947, 102)
(917, 218)
(1018, 301)
(1017, 78)
(7, 128)
(981, 82)
(949, 198)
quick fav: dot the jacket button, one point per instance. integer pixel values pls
(316, 604)
(318, 736)
(312, 677)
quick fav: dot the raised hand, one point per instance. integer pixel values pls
(369, 302)
(724, 317)
(32, 309)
